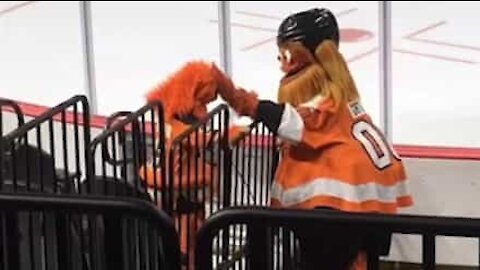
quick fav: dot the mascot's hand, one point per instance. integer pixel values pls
(243, 102)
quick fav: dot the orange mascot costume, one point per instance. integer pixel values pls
(184, 97)
(333, 157)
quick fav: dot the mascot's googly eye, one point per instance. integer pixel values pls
(285, 56)
(288, 56)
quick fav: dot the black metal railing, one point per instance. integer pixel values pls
(254, 162)
(199, 172)
(48, 153)
(10, 106)
(132, 146)
(372, 227)
(67, 233)
(190, 176)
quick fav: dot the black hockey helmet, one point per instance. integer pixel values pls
(310, 27)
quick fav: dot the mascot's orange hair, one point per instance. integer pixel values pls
(187, 91)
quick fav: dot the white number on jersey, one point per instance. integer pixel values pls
(374, 144)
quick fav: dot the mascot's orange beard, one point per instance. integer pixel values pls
(302, 86)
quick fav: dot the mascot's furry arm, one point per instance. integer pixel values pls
(187, 92)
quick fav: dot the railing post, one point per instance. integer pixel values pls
(257, 243)
(372, 258)
(227, 175)
(428, 243)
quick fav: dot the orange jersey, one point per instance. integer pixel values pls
(336, 157)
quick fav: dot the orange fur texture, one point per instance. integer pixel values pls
(294, 56)
(187, 91)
